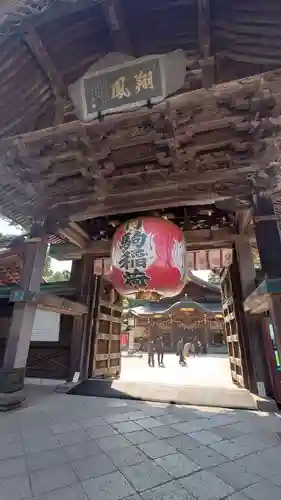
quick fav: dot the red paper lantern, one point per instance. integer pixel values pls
(148, 258)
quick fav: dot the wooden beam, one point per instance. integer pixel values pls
(213, 238)
(75, 235)
(176, 196)
(195, 240)
(244, 218)
(204, 36)
(148, 189)
(65, 251)
(260, 218)
(116, 22)
(34, 43)
(226, 94)
(62, 305)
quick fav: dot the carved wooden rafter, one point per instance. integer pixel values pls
(225, 141)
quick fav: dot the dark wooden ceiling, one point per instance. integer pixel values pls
(243, 36)
(187, 218)
(209, 146)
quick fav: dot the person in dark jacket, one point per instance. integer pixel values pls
(150, 352)
(159, 347)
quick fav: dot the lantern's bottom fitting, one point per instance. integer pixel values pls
(148, 295)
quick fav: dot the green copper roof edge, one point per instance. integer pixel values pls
(272, 285)
(59, 288)
(182, 304)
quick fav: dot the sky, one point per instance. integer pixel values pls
(5, 228)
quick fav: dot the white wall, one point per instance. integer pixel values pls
(46, 326)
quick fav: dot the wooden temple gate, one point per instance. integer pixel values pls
(193, 136)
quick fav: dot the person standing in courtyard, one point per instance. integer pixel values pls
(180, 348)
(186, 350)
(159, 347)
(197, 347)
(150, 352)
(192, 349)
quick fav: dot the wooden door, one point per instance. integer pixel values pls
(233, 326)
(107, 335)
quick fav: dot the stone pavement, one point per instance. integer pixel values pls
(81, 448)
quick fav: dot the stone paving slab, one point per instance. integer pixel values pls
(156, 448)
(131, 455)
(109, 487)
(177, 465)
(235, 475)
(95, 466)
(82, 448)
(236, 496)
(262, 491)
(146, 475)
(205, 486)
(139, 437)
(171, 491)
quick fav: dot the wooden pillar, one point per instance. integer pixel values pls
(268, 237)
(243, 351)
(275, 314)
(206, 335)
(252, 332)
(95, 308)
(131, 340)
(18, 342)
(82, 276)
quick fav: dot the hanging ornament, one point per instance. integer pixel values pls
(148, 259)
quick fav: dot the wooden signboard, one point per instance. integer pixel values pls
(128, 86)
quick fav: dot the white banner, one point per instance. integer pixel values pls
(199, 260)
(217, 258)
(102, 267)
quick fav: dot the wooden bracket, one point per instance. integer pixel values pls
(244, 218)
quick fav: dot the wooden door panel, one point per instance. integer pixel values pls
(232, 328)
(107, 325)
(46, 360)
